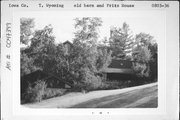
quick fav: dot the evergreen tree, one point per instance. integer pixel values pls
(121, 41)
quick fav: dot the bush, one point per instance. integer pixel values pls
(109, 85)
(90, 81)
(141, 70)
(35, 93)
(115, 84)
(39, 91)
(53, 92)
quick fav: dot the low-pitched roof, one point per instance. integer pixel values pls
(119, 66)
(122, 64)
(117, 70)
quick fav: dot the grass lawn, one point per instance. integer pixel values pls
(140, 96)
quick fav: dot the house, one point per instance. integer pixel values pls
(51, 80)
(119, 70)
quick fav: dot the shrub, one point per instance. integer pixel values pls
(141, 70)
(53, 92)
(115, 84)
(35, 93)
(91, 81)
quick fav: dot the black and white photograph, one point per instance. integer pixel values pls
(89, 62)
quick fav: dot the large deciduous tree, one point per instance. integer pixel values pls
(43, 49)
(145, 52)
(86, 38)
(26, 31)
(89, 58)
(146, 40)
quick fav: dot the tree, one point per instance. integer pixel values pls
(27, 65)
(86, 38)
(146, 40)
(87, 29)
(43, 49)
(26, 30)
(142, 55)
(104, 57)
(89, 58)
(26, 26)
(145, 53)
(40, 53)
(121, 41)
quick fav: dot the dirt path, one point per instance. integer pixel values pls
(140, 96)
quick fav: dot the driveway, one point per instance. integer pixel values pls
(144, 96)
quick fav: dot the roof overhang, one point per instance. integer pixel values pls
(117, 70)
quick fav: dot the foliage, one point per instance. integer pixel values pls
(39, 91)
(121, 41)
(42, 49)
(104, 57)
(141, 54)
(86, 38)
(87, 29)
(26, 64)
(64, 67)
(90, 81)
(35, 92)
(145, 52)
(146, 40)
(115, 84)
(26, 29)
(90, 57)
(53, 92)
(141, 69)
